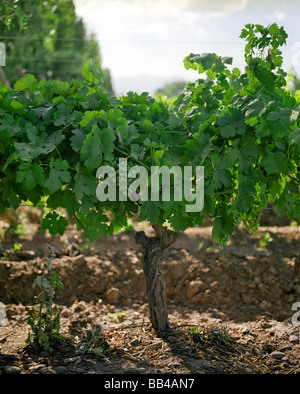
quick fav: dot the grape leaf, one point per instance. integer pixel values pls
(26, 83)
(54, 223)
(97, 146)
(178, 221)
(63, 115)
(95, 225)
(149, 211)
(30, 174)
(274, 162)
(85, 184)
(77, 139)
(223, 225)
(58, 175)
(245, 193)
(294, 137)
(231, 122)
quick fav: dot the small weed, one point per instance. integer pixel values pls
(94, 343)
(44, 318)
(211, 335)
(200, 245)
(17, 246)
(265, 240)
(117, 316)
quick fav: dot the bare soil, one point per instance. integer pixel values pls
(230, 310)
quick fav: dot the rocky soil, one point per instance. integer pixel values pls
(230, 310)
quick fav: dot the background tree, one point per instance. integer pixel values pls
(172, 89)
(48, 40)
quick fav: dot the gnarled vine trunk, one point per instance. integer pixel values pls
(153, 249)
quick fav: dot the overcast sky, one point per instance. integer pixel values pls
(144, 42)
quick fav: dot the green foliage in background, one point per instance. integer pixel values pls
(47, 40)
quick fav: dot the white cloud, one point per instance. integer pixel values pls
(138, 20)
(137, 37)
(215, 9)
(277, 15)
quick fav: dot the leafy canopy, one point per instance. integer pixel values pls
(242, 127)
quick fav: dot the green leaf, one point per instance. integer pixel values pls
(275, 162)
(122, 132)
(77, 139)
(87, 118)
(91, 71)
(27, 151)
(115, 119)
(54, 223)
(174, 120)
(294, 137)
(70, 202)
(98, 146)
(60, 88)
(264, 76)
(147, 125)
(30, 175)
(223, 225)
(178, 221)
(58, 175)
(149, 211)
(198, 147)
(26, 83)
(85, 183)
(245, 193)
(282, 114)
(95, 225)
(231, 122)
(221, 175)
(17, 107)
(9, 124)
(64, 115)
(274, 29)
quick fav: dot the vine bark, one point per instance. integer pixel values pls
(153, 249)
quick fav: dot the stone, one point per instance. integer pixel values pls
(61, 369)
(144, 363)
(218, 369)
(277, 355)
(11, 370)
(113, 295)
(80, 259)
(134, 342)
(80, 370)
(294, 338)
(176, 270)
(9, 357)
(139, 370)
(194, 287)
(285, 348)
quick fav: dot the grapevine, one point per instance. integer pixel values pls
(241, 127)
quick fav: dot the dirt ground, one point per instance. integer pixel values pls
(231, 310)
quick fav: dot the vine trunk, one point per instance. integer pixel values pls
(153, 249)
